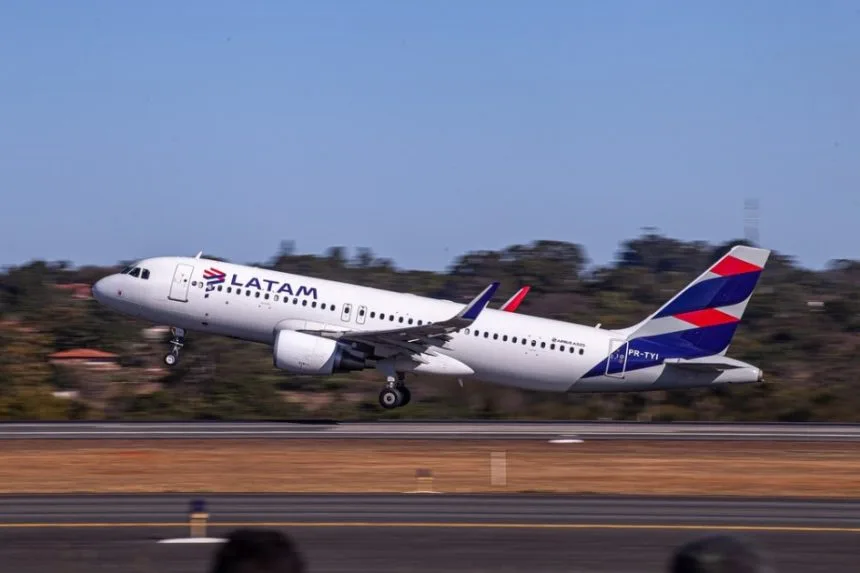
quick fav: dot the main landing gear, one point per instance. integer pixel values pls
(395, 394)
(177, 341)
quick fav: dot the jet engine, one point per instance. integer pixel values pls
(308, 354)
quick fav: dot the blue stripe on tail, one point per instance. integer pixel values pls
(653, 350)
(713, 293)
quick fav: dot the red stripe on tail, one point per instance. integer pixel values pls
(733, 266)
(706, 317)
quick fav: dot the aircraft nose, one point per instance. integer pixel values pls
(106, 288)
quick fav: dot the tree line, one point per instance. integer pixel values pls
(801, 327)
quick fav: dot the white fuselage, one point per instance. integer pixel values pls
(250, 303)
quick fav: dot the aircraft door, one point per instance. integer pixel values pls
(616, 364)
(347, 312)
(181, 282)
(362, 314)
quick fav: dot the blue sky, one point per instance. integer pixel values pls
(424, 129)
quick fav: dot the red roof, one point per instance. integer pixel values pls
(82, 353)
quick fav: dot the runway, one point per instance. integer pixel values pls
(431, 430)
(467, 533)
(538, 511)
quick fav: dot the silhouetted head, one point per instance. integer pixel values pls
(258, 551)
(717, 554)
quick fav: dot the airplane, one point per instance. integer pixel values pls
(513, 303)
(319, 327)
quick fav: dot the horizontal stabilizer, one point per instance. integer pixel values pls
(706, 365)
(728, 369)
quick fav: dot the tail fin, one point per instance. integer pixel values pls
(702, 318)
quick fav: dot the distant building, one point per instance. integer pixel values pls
(88, 357)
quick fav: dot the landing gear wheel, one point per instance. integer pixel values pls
(171, 359)
(390, 398)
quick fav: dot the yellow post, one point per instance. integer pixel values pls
(198, 518)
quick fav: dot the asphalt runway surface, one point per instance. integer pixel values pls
(431, 430)
(382, 533)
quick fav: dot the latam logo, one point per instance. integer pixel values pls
(214, 277)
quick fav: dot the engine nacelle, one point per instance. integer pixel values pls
(308, 354)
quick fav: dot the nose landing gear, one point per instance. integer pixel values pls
(177, 341)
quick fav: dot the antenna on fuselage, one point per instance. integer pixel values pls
(198, 255)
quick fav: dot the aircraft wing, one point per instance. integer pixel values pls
(417, 338)
(514, 302)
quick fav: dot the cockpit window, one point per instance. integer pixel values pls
(144, 274)
(135, 272)
(126, 270)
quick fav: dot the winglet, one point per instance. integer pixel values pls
(514, 302)
(474, 308)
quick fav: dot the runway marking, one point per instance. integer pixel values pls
(440, 525)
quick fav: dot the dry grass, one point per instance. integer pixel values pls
(716, 468)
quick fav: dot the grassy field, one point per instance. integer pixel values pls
(631, 467)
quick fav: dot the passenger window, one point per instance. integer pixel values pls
(257, 294)
(514, 339)
(410, 321)
(391, 317)
(193, 283)
(332, 308)
(274, 297)
(543, 344)
(505, 338)
(220, 288)
(534, 342)
(314, 304)
(495, 336)
(466, 331)
(135, 272)
(266, 296)
(524, 341)
(322, 305)
(486, 334)
(420, 322)
(229, 289)
(304, 303)
(145, 274)
(552, 346)
(400, 320)
(582, 351)
(295, 301)
(248, 292)
(561, 348)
